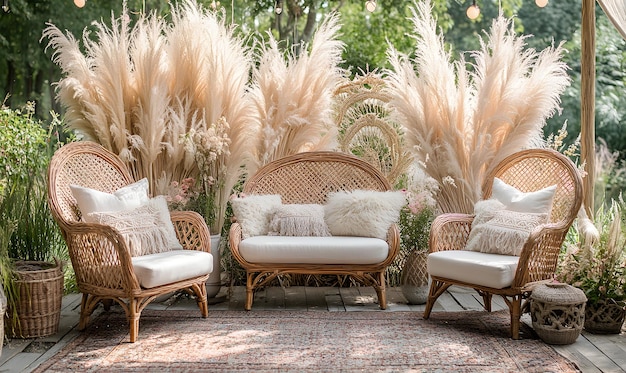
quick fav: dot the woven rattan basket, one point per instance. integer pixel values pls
(39, 305)
(558, 313)
(605, 317)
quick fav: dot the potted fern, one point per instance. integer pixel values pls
(32, 281)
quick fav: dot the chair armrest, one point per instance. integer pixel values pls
(191, 230)
(234, 239)
(540, 254)
(100, 257)
(449, 232)
(393, 240)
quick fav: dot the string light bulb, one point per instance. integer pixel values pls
(541, 3)
(473, 11)
(278, 7)
(370, 5)
(79, 3)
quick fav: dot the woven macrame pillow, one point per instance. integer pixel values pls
(497, 230)
(253, 212)
(363, 213)
(298, 220)
(146, 229)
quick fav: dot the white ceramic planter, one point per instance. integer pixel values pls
(214, 283)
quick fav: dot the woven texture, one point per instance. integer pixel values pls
(286, 341)
(414, 271)
(605, 317)
(100, 256)
(528, 171)
(308, 178)
(558, 312)
(40, 286)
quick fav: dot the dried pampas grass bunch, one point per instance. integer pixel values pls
(293, 94)
(168, 98)
(459, 122)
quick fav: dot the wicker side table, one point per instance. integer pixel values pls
(557, 312)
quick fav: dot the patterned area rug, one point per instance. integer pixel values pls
(287, 341)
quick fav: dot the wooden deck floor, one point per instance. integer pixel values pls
(592, 353)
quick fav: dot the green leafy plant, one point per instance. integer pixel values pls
(597, 263)
(28, 231)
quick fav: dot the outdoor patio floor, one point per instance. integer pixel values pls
(592, 353)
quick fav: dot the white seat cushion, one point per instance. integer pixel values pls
(492, 270)
(171, 266)
(314, 250)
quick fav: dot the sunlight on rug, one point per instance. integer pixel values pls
(287, 341)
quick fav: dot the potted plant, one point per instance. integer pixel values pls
(596, 264)
(414, 224)
(32, 281)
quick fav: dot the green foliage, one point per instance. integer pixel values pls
(610, 84)
(414, 228)
(27, 229)
(598, 267)
(23, 141)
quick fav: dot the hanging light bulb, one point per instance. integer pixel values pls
(370, 5)
(473, 11)
(79, 3)
(541, 3)
(278, 7)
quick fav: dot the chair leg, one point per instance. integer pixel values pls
(486, 300)
(84, 312)
(436, 289)
(133, 319)
(515, 308)
(249, 290)
(87, 305)
(201, 297)
(382, 291)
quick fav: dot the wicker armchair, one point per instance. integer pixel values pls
(528, 170)
(308, 178)
(100, 257)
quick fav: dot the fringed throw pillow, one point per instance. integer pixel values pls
(298, 220)
(146, 229)
(497, 230)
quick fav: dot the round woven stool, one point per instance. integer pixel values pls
(558, 312)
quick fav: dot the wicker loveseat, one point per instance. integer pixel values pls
(309, 178)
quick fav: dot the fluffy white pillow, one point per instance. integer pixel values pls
(298, 220)
(127, 197)
(253, 213)
(516, 200)
(146, 229)
(363, 213)
(496, 230)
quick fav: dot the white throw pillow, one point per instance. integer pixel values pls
(497, 230)
(253, 213)
(146, 229)
(516, 200)
(298, 220)
(127, 197)
(363, 213)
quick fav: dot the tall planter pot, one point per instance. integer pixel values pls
(38, 309)
(605, 316)
(214, 283)
(414, 279)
